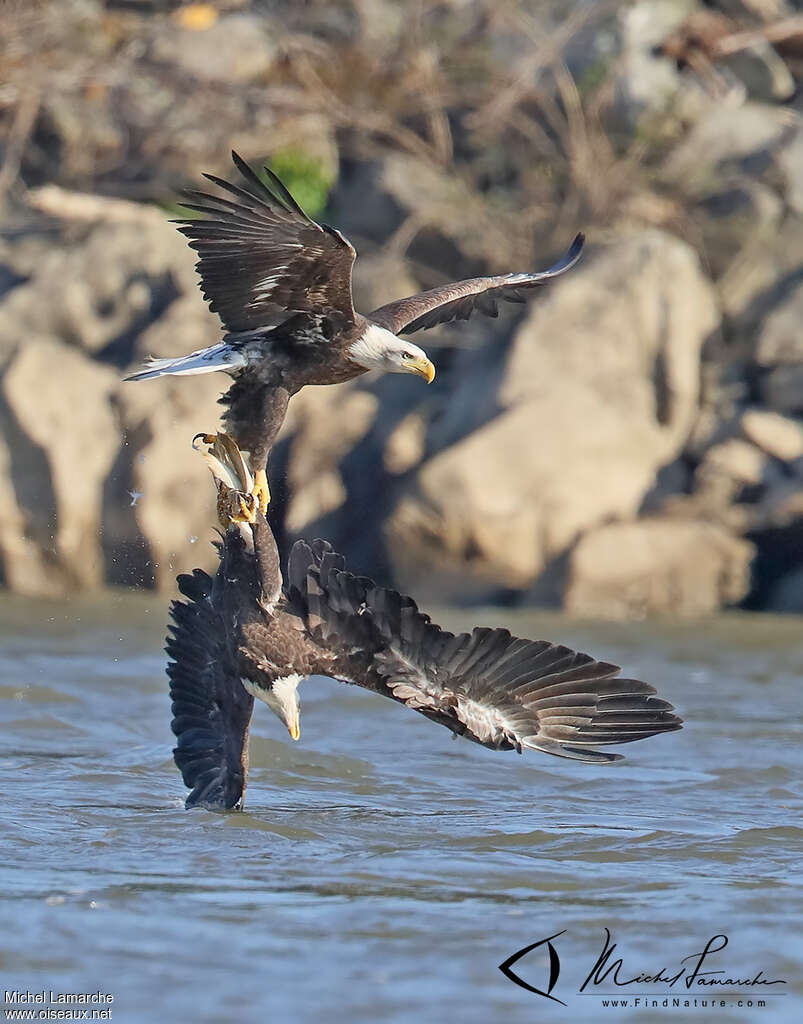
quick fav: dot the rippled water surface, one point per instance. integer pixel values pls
(382, 872)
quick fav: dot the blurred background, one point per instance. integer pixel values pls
(628, 444)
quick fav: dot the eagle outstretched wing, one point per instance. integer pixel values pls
(459, 300)
(494, 688)
(262, 259)
(211, 708)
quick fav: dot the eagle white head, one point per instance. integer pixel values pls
(379, 349)
(282, 698)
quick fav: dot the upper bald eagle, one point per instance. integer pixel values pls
(241, 634)
(281, 284)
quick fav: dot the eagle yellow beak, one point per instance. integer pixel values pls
(294, 728)
(423, 367)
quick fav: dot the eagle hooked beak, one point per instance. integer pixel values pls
(423, 367)
(294, 728)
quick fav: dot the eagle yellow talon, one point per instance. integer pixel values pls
(235, 507)
(261, 491)
(239, 494)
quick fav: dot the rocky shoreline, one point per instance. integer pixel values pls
(630, 444)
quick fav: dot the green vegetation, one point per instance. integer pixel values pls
(308, 180)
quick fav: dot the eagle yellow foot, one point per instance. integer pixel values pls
(235, 507)
(239, 495)
(261, 491)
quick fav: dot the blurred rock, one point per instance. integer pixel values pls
(380, 278)
(734, 215)
(236, 48)
(780, 340)
(763, 269)
(60, 441)
(323, 425)
(728, 468)
(779, 353)
(779, 436)
(121, 492)
(161, 498)
(604, 373)
(737, 139)
(782, 388)
(113, 279)
(657, 567)
(597, 404)
(782, 506)
(406, 445)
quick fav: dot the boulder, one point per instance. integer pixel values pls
(724, 141)
(657, 567)
(779, 353)
(103, 485)
(406, 445)
(60, 442)
(727, 468)
(160, 499)
(734, 215)
(323, 426)
(598, 392)
(113, 278)
(779, 436)
(759, 277)
(381, 277)
(780, 339)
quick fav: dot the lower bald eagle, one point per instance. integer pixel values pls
(241, 634)
(281, 284)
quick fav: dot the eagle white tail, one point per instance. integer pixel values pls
(206, 360)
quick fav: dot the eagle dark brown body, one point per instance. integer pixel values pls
(256, 403)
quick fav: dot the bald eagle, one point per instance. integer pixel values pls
(281, 284)
(243, 634)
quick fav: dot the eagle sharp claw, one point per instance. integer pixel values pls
(204, 439)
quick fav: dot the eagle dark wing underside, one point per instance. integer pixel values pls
(459, 300)
(262, 259)
(494, 688)
(211, 709)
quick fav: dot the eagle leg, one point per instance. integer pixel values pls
(261, 491)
